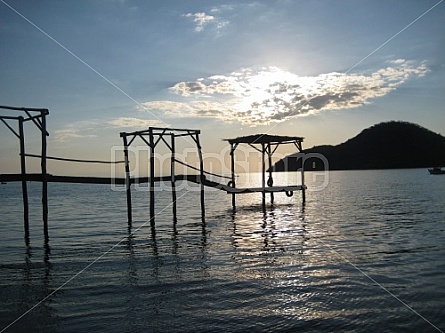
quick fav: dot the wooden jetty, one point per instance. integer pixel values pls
(263, 143)
(268, 144)
(152, 137)
(38, 117)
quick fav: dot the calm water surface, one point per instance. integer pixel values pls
(367, 253)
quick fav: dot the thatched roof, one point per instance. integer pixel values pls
(265, 138)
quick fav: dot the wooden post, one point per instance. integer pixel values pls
(270, 180)
(303, 191)
(23, 171)
(44, 176)
(201, 175)
(232, 170)
(263, 175)
(302, 182)
(152, 176)
(172, 170)
(127, 179)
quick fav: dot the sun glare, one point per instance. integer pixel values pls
(272, 89)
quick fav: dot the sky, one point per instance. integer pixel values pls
(324, 70)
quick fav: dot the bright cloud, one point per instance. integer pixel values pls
(272, 95)
(200, 19)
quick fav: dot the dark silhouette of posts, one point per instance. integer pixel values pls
(152, 175)
(38, 117)
(44, 175)
(201, 172)
(172, 172)
(300, 148)
(127, 180)
(266, 141)
(263, 175)
(23, 172)
(232, 171)
(155, 135)
(270, 180)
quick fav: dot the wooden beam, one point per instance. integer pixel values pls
(10, 128)
(45, 111)
(272, 189)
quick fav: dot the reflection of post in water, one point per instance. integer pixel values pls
(175, 245)
(129, 245)
(269, 233)
(204, 234)
(35, 286)
(304, 232)
(153, 239)
(154, 246)
(46, 280)
(132, 307)
(203, 259)
(47, 252)
(235, 229)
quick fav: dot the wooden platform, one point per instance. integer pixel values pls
(36, 177)
(272, 189)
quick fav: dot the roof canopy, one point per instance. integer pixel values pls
(265, 138)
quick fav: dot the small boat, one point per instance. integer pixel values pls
(437, 171)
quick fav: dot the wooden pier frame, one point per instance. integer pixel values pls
(38, 117)
(155, 135)
(268, 146)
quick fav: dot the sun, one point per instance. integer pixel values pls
(269, 91)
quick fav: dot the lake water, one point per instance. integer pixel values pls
(366, 253)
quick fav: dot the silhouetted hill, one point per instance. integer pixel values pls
(387, 145)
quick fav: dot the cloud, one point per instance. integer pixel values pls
(270, 94)
(92, 128)
(222, 8)
(190, 109)
(200, 19)
(70, 132)
(128, 122)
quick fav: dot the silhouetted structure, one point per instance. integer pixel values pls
(265, 142)
(168, 136)
(38, 117)
(152, 137)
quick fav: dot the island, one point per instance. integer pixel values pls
(387, 145)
